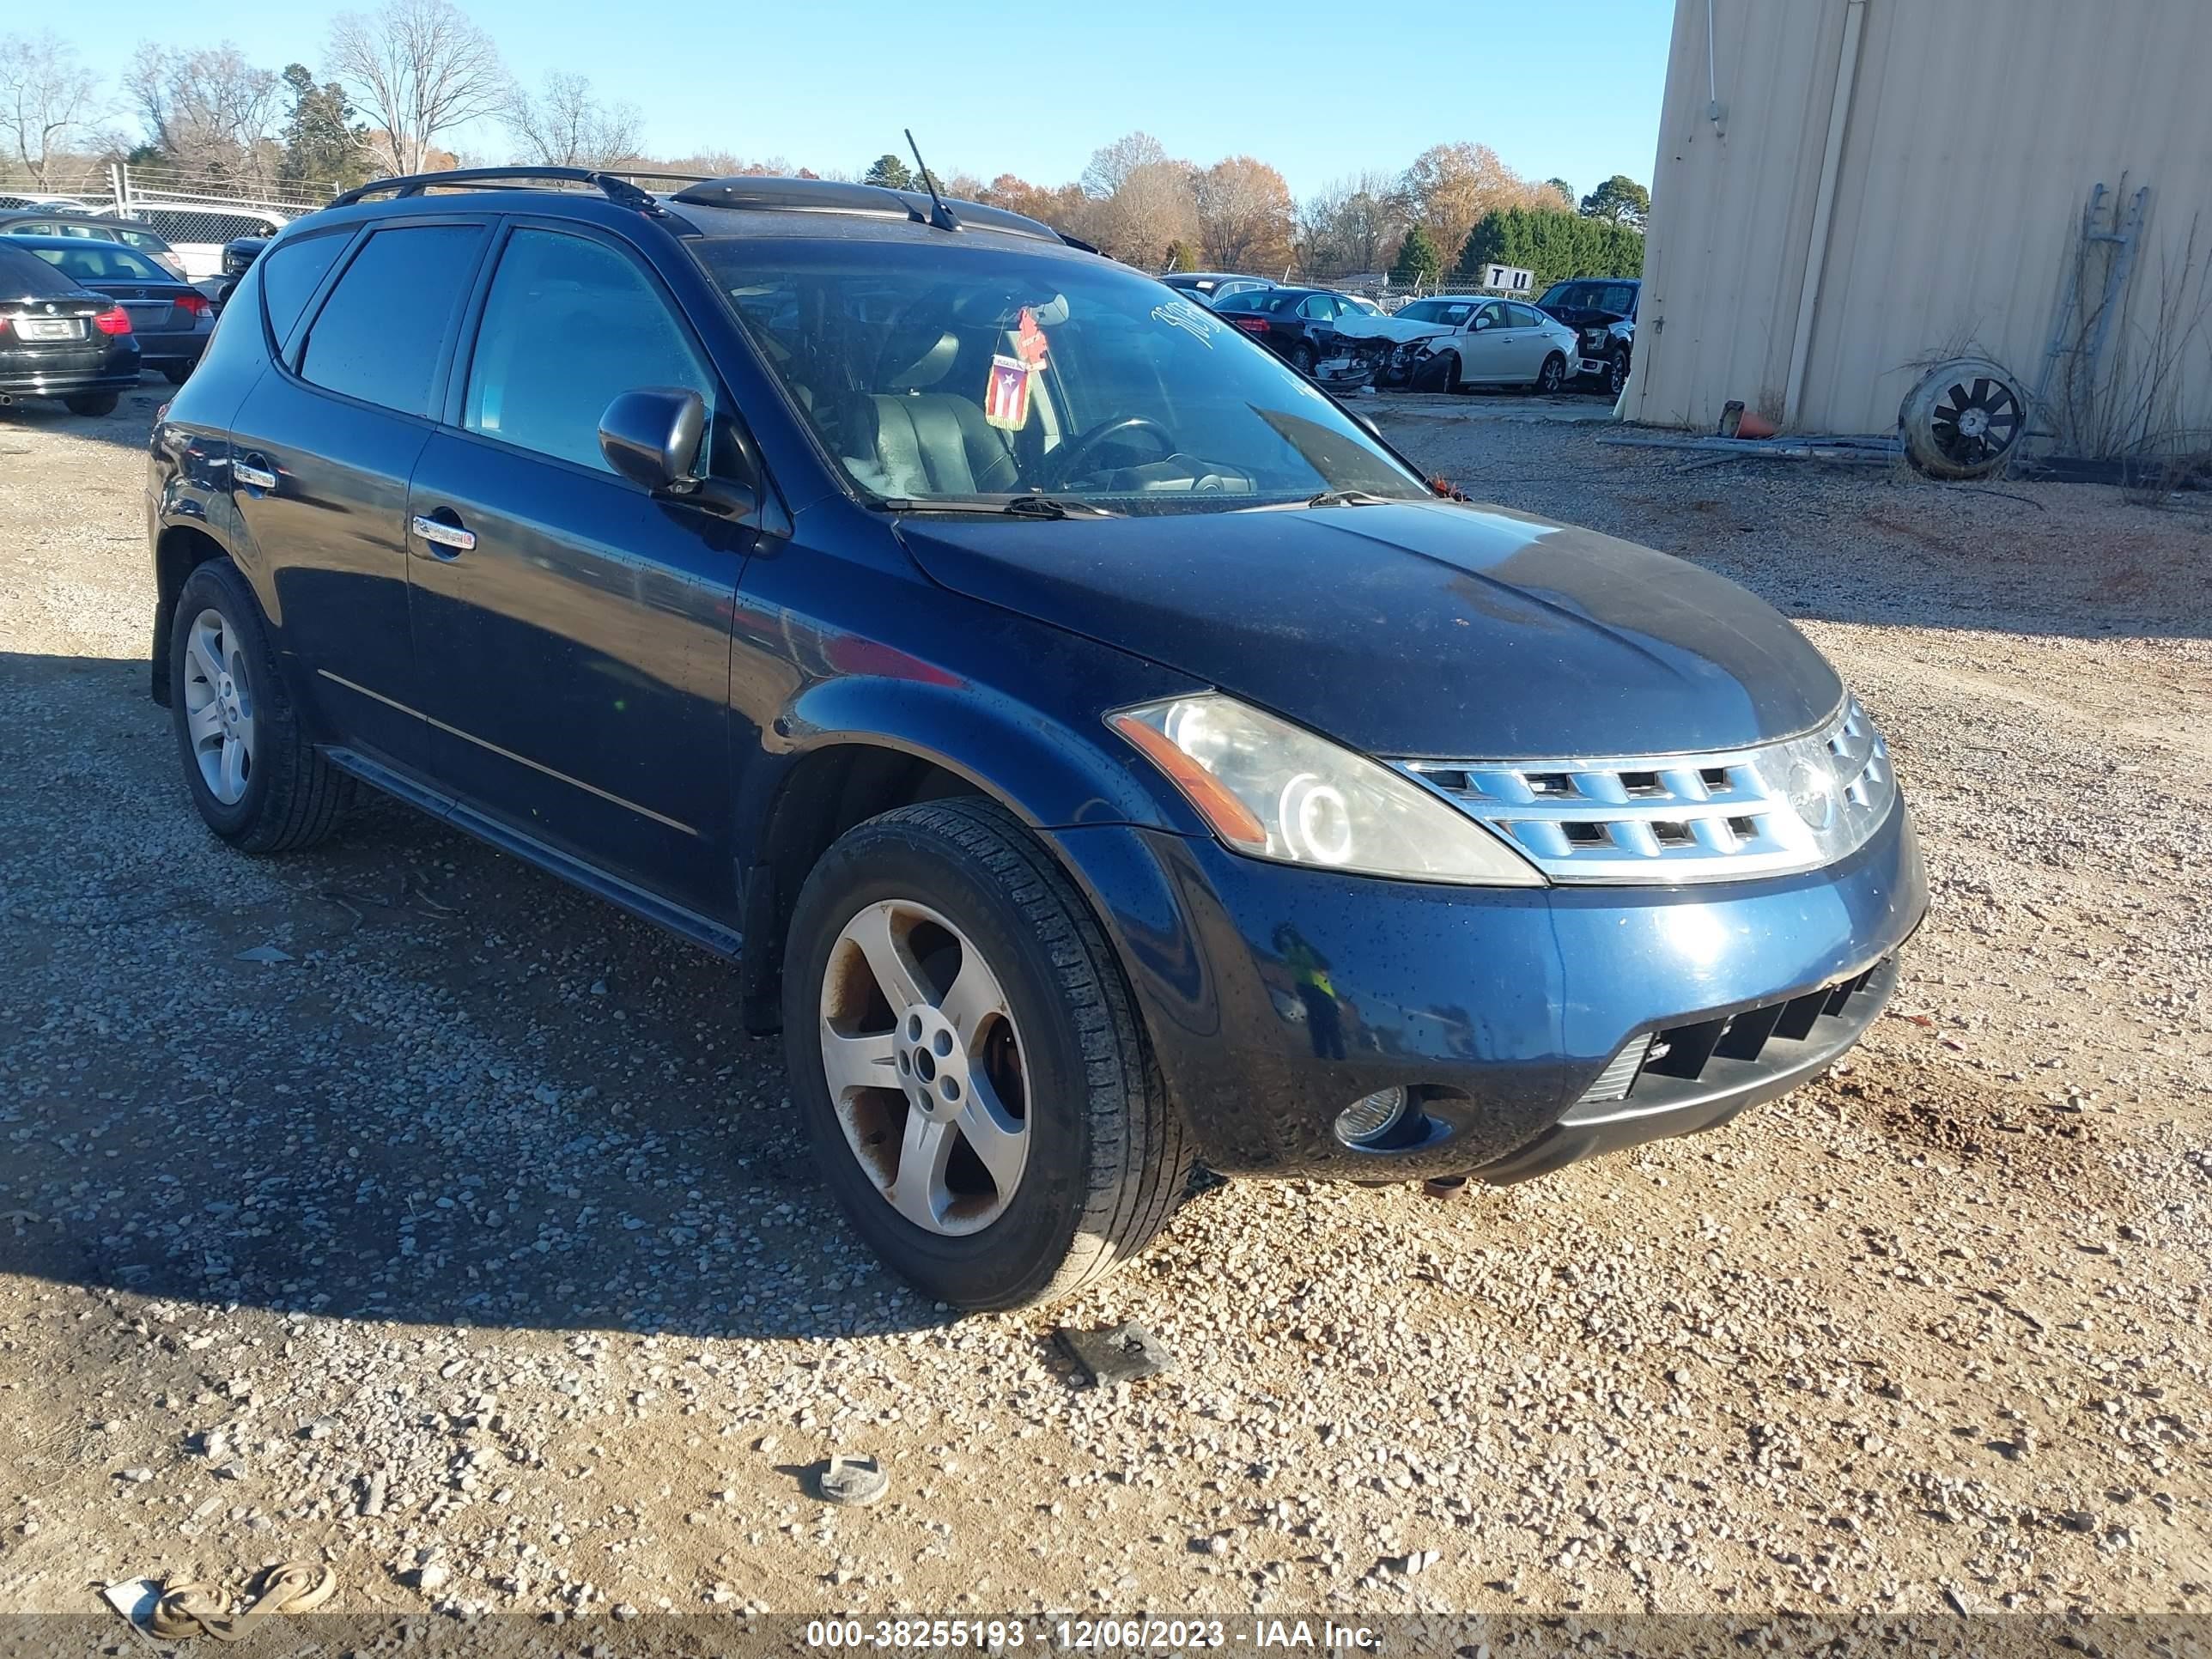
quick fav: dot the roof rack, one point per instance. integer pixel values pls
(761, 194)
(617, 183)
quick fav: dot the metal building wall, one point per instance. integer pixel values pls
(1971, 133)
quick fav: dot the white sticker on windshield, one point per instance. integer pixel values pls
(1200, 325)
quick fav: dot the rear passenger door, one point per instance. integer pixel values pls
(572, 632)
(361, 327)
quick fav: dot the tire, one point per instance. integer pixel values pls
(1553, 375)
(93, 403)
(1103, 1156)
(1453, 383)
(1616, 373)
(1303, 358)
(288, 795)
(177, 373)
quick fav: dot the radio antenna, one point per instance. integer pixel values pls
(939, 214)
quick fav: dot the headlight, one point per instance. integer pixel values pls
(1275, 791)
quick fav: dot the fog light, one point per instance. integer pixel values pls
(1367, 1121)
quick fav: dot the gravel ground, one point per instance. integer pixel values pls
(463, 1244)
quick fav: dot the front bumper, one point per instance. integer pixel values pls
(1276, 996)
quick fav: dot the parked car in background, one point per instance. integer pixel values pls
(9, 201)
(98, 228)
(238, 257)
(199, 234)
(171, 317)
(60, 339)
(1099, 750)
(1602, 311)
(1475, 340)
(1211, 286)
(1298, 324)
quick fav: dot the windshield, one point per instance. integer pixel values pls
(1620, 297)
(956, 371)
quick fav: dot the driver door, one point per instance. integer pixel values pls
(573, 633)
(1486, 351)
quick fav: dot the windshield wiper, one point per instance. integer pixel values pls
(1349, 498)
(1020, 506)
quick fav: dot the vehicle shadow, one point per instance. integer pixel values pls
(129, 428)
(400, 1078)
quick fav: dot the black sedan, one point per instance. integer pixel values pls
(172, 319)
(1297, 324)
(59, 338)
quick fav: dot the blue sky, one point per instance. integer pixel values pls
(1034, 90)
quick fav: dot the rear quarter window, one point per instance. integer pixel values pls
(24, 275)
(379, 335)
(289, 276)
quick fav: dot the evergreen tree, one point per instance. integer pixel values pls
(891, 172)
(322, 145)
(1418, 260)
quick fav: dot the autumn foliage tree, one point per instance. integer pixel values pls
(1246, 217)
(1450, 186)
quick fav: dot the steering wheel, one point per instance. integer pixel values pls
(1067, 462)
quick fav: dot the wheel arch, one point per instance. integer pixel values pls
(179, 550)
(865, 748)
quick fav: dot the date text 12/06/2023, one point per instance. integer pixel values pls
(1093, 1635)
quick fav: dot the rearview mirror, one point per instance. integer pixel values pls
(652, 436)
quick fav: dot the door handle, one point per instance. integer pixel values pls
(253, 471)
(439, 534)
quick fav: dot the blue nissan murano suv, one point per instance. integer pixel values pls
(1097, 750)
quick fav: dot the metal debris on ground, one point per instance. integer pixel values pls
(179, 1612)
(1840, 451)
(1443, 1186)
(262, 953)
(1123, 1354)
(854, 1481)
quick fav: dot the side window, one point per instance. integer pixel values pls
(379, 334)
(1491, 316)
(1319, 306)
(569, 324)
(290, 275)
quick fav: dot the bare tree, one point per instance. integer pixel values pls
(1245, 214)
(46, 97)
(568, 127)
(1113, 165)
(1153, 208)
(210, 111)
(416, 68)
(1352, 224)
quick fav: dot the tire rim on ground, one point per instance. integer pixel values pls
(219, 707)
(926, 1068)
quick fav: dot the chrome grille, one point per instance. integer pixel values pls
(1784, 806)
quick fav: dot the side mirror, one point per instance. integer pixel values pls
(652, 436)
(1480, 324)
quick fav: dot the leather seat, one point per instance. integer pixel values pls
(931, 443)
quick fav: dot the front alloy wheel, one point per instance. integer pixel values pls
(966, 1053)
(925, 1068)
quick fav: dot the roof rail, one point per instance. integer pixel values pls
(761, 194)
(615, 182)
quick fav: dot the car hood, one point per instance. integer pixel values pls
(1416, 630)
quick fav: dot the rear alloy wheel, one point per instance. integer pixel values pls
(1303, 358)
(979, 1095)
(92, 403)
(257, 781)
(1553, 375)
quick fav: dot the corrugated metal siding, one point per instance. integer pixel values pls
(1974, 134)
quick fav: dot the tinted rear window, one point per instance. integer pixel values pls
(290, 275)
(24, 275)
(91, 261)
(378, 335)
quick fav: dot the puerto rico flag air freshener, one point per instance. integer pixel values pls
(1006, 399)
